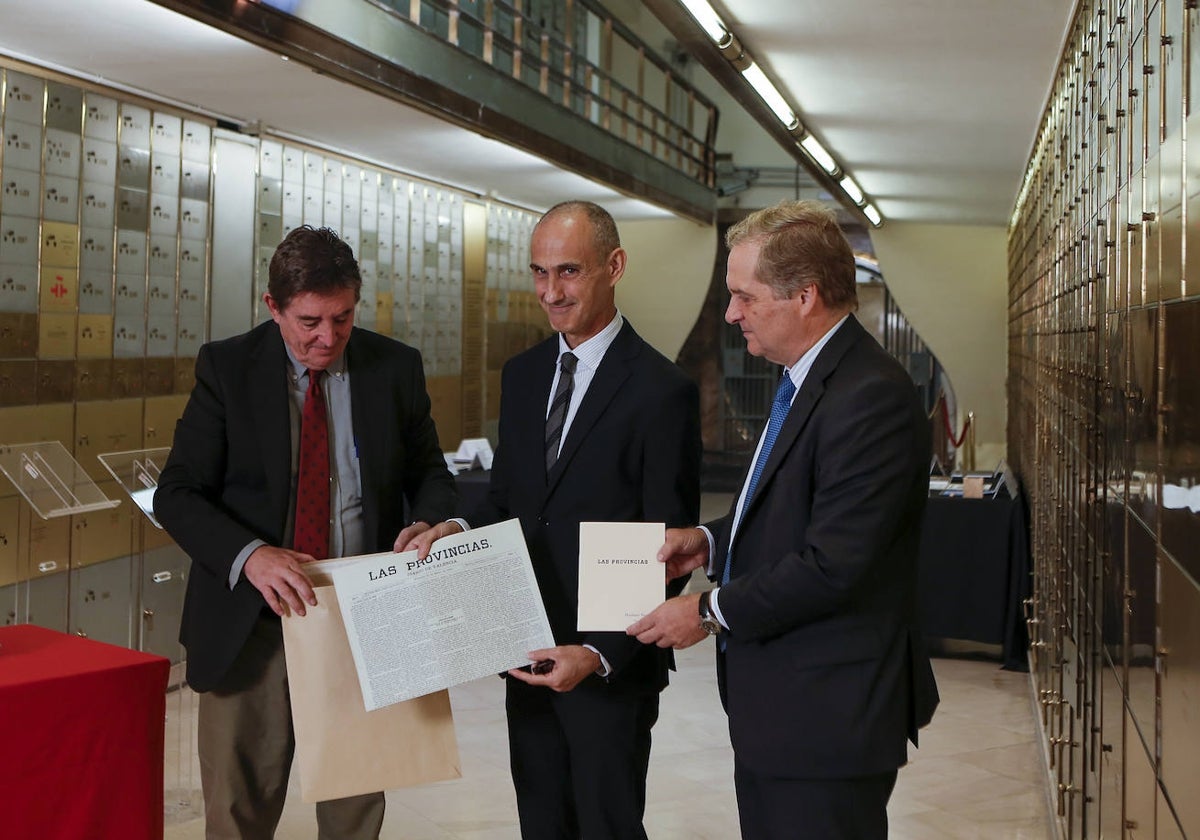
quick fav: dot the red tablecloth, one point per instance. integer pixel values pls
(81, 738)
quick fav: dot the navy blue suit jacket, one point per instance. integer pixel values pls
(632, 454)
(825, 674)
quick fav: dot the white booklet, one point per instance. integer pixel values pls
(469, 609)
(620, 578)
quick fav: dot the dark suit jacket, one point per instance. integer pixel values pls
(228, 478)
(632, 454)
(825, 673)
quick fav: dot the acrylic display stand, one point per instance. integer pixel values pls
(53, 482)
(137, 472)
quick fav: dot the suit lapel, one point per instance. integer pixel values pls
(806, 401)
(367, 384)
(269, 395)
(614, 370)
(529, 413)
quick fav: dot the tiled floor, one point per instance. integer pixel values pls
(977, 775)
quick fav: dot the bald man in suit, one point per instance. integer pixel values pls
(619, 443)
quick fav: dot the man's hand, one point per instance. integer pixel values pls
(276, 573)
(420, 535)
(675, 623)
(572, 665)
(685, 549)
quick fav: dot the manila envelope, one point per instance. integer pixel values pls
(342, 749)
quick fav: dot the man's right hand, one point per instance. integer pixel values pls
(685, 549)
(422, 541)
(276, 573)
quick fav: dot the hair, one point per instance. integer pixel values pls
(801, 244)
(605, 238)
(312, 260)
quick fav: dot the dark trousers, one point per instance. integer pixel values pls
(579, 760)
(246, 746)
(812, 809)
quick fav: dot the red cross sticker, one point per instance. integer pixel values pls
(58, 289)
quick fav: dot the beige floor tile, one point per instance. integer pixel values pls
(978, 773)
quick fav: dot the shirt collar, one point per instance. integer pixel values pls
(590, 352)
(800, 370)
(336, 369)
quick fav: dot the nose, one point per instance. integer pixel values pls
(325, 333)
(732, 315)
(552, 289)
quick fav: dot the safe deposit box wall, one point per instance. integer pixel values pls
(1104, 345)
(130, 233)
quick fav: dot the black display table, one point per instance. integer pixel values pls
(472, 487)
(974, 573)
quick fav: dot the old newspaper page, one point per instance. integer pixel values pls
(471, 608)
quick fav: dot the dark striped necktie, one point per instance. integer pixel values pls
(557, 417)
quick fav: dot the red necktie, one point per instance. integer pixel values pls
(312, 487)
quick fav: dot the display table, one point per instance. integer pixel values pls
(472, 488)
(81, 738)
(974, 573)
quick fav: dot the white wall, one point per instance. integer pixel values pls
(951, 282)
(670, 267)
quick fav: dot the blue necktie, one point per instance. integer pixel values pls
(779, 411)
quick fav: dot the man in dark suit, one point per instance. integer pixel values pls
(302, 439)
(595, 425)
(820, 663)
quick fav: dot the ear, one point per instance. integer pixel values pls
(810, 300)
(276, 312)
(616, 265)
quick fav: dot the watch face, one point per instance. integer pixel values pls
(710, 625)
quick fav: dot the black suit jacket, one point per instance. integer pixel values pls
(632, 454)
(825, 673)
(228, 478)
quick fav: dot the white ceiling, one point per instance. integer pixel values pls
(933, 104)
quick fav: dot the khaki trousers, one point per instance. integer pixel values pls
(246, 746)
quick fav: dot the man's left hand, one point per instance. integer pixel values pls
(675, 624)
(572, 665)
(408, 535)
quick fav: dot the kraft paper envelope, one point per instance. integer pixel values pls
(342, 749)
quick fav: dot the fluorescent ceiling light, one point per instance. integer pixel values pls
(775, 101)
(852, 189)
(709, 21)
(817, 152)
(873, 214)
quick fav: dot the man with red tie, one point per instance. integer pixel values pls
(304, 438)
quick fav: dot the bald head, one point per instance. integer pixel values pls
(604, 237)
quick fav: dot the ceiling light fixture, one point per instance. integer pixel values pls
(770, 95)
(731, 50)
(817, 152)
(852, 189)
(708, 19)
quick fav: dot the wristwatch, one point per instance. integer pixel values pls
(708, 621)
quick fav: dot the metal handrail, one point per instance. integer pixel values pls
(674, 143)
